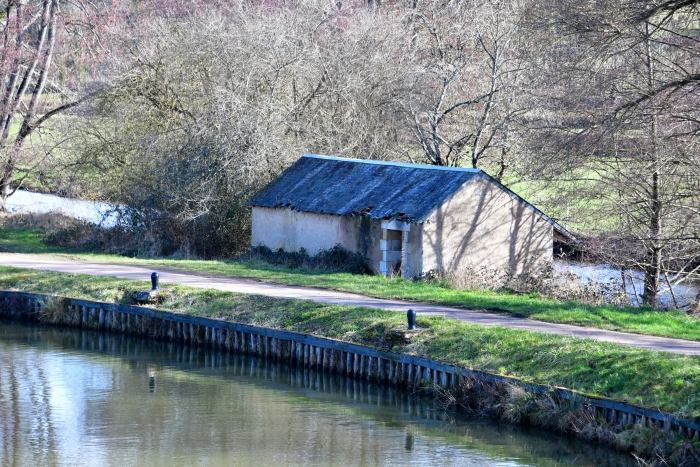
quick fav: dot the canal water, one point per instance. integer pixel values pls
(40, 203)
(73, 398)
(608, 280)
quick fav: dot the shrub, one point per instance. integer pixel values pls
(336, 259)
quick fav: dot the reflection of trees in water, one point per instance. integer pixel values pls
(26, 410)
(213, 408)
(9, 411)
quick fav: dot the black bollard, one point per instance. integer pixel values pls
(154, 281)
(411, 315)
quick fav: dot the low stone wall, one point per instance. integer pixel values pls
(322, 354)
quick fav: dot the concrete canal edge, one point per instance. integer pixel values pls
(322, 354)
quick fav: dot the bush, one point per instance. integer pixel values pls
(336, 259)
(118, 240)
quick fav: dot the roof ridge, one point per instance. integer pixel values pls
(395, 164)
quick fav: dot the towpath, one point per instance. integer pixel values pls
(249, 286)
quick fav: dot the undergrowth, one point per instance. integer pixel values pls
(336, 259)
(650, 445)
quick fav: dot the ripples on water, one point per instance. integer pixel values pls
(70, 398)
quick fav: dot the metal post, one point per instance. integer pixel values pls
(411, 315)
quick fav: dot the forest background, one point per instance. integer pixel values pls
(179, 110)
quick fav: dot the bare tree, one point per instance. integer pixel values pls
(210, 108)
(466, 81)
(354, 71)
(30, 36)
(624, 122)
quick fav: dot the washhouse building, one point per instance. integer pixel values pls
(406, 219)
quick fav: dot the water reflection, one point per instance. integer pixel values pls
(38, 203)
(610, 280)
(83, 398)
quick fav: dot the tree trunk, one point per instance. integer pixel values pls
(5, 188)
(652, 268)
(651, 278)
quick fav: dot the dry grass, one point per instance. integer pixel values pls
(542, 281)
(53, 310)
(651, 446)
(43, 221)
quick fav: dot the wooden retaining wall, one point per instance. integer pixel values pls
(321, 354)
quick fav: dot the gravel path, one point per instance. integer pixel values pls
(249, 286)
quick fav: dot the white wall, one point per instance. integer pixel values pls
(482, 226)
(293, 230)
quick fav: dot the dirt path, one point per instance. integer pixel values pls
(249, 286)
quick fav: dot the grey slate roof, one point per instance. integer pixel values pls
(378, 189)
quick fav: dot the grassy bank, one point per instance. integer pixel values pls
(636, 320)
(653, 379)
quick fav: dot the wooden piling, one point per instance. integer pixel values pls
(236, 341)
(288, 350)
(332, 360)
(419, 376)
(296, 352)
(312, 356)
(326, 360)
(229, 339)
(319, 358)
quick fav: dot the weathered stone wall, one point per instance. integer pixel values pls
(369, 242)
(294, 230)
(482, 226)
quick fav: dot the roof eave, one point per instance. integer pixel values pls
(565, 233)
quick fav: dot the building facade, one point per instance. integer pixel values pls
(406, 219)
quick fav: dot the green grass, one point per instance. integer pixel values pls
(24, 240)
(643, 320)
(653, 379)
(585, 214)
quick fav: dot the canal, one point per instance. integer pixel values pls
(75, 398)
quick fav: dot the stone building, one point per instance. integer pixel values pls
(405, 219)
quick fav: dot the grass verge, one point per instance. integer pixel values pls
(653, 379)
(643, 320)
